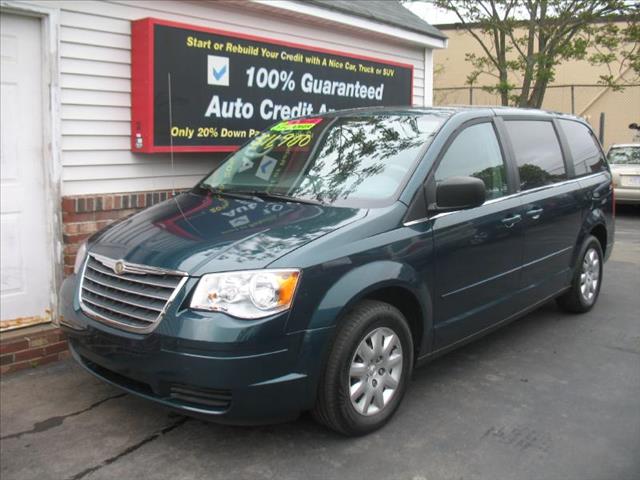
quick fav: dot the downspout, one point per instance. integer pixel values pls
(428, 77)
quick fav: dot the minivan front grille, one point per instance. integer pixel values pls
(128, 296)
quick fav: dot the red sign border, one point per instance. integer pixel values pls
(142, 79)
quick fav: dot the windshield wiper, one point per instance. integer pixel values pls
(227, 193)
(258, 195)
(281, 197)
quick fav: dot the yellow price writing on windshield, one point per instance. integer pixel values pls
(292, 139)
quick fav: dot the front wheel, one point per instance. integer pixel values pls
(587, 279)
(367, 371)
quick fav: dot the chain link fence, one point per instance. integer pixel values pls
(620, 108)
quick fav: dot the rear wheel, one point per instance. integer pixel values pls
(367, 370)
(585, 286)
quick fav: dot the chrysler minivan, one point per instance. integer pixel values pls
(316, 266)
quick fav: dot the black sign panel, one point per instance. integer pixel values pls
(225, 88)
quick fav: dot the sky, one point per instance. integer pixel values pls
(430, 13)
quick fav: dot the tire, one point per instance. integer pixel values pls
(583, 294)
(382, 377)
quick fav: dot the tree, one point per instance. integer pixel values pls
(523, 41)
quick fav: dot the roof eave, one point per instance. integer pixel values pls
(355, 21)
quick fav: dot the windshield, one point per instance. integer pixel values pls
(353, 161)
(624, 155)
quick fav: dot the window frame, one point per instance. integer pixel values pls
(430, 183)
(562, 143)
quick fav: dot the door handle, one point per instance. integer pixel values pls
(535, 213)
(511, 221)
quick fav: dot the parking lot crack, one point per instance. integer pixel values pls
(154, 436)
(631, 350)
(53, 422)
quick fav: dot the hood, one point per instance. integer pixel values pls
(200, 234)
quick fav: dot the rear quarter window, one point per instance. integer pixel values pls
(537, 152)
(587, 156)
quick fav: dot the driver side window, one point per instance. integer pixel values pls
(475, 152)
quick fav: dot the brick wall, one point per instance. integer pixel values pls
(31, 347)
(81, 217)
(86, 214)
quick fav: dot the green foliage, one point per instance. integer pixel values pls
(523, 41)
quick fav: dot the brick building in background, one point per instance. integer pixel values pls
(67, 163)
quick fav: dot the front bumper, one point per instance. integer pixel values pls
(203, 365)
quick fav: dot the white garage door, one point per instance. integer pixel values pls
(25, 237)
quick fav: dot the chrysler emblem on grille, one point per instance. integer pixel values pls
(119, 267)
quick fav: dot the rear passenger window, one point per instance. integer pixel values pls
(537, 151)
(475, 152)
(587, 157)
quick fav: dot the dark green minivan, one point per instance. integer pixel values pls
(315, 267)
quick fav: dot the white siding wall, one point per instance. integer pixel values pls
(95, 77)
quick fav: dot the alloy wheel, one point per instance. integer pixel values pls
(375, 371)
(590, 275)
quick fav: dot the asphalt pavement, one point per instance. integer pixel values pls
(551, 396)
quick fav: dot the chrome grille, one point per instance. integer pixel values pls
(134, 298)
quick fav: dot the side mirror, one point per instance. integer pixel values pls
(460, 193)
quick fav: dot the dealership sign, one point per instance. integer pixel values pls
(197, 89)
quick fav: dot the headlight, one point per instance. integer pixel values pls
(80, 256)
(248, 294)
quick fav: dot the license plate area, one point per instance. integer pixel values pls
(630, 181)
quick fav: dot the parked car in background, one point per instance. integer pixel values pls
(317, 265)
(624, 160)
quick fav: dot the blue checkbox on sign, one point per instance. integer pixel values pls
(218, 70)
(218, 74)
